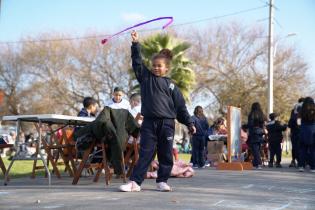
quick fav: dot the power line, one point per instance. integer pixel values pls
(263, 19)
(265, 2)
(144, 30)
(221, 16)
(278, 23)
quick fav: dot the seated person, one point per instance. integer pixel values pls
(118, 102)
(221, 126)
(218, 131)
(7, 139)
(135, 111)
(90, 108)
(244, 137)
(218, 127)
(135, 107)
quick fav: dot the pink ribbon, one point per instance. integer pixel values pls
(104, 41)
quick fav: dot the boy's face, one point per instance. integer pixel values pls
(159, 67)
(135, 102)
(118, 96)
(93, 108)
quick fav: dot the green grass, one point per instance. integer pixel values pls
(285, 155)
(23, 168)
(185, 157)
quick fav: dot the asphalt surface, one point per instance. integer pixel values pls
(209, 189)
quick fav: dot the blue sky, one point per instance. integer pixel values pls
(20, 18)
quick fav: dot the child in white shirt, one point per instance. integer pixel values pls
(118, 102)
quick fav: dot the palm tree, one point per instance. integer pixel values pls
(181, 73)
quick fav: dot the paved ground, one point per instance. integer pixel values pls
(209, 189)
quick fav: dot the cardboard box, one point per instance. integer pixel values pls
(216, 157)
(215, 147)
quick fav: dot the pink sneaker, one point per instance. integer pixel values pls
(131, 186)
(163, 187)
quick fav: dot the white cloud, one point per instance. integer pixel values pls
(132, 17)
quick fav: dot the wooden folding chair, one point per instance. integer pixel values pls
(2, 166)
(66, 150)
(83, 164)
(131, 156)
(65, 143)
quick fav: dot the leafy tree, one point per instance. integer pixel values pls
(180, 73)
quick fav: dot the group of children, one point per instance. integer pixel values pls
(91, 107)
(302, 133)
(263, 132)
(256, 133)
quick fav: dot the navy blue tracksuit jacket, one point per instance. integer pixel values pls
(162, 102)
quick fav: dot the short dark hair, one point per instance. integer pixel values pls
(117, 89)
(308, 110)
(88, 101)
(220, 121)
(272, 116)
(301, 100)
(134, 95)
(245, 127)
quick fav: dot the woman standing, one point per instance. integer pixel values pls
(256, 121)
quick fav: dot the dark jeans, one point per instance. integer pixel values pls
(307, 154)
(256, 154)
(198, 151)
(295, 147)
(275, 149)
(155, 133)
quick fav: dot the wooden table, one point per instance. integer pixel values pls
(39, 121)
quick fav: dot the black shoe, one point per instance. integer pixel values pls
(278, 165)
(270, 165)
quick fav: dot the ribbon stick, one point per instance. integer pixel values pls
(104, 41)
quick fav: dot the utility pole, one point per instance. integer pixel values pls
(270, 59)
